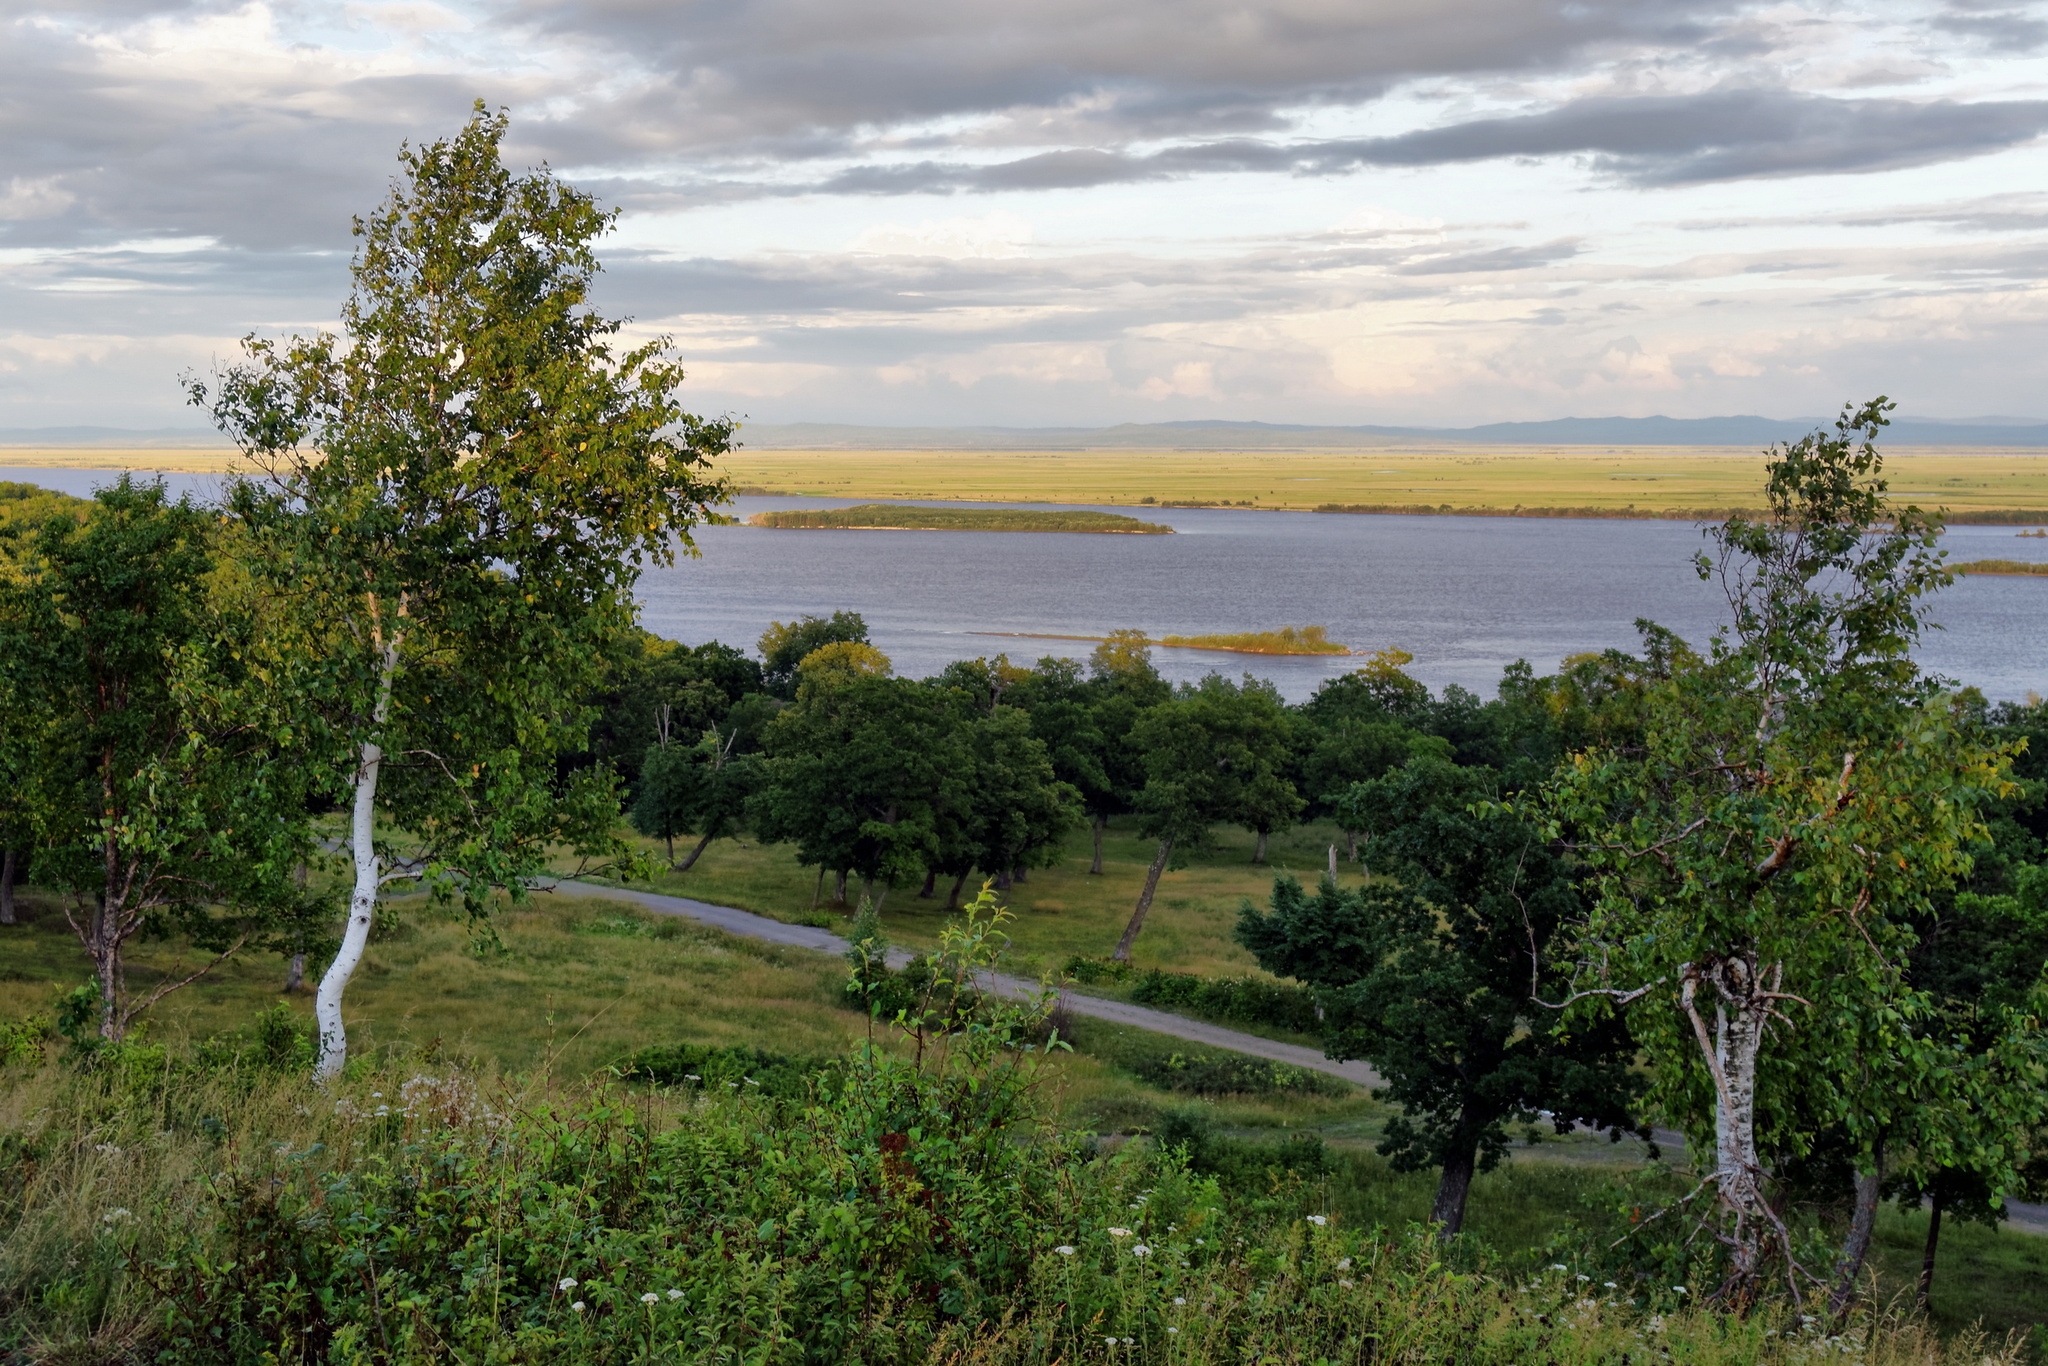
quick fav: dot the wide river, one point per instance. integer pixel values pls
(1465, 595)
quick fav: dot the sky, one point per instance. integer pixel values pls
(1070, 212)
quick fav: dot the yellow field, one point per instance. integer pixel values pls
(1646, 479)
(1496, 478)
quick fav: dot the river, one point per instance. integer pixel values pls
(1465, 595)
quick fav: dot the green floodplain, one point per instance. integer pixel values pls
(897, 517)
(1286, 640)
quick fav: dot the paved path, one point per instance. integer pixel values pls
(747, 925)
(750, 926)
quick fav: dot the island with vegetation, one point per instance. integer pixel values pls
(1286, 640)
(2021, 568)
(898, 517)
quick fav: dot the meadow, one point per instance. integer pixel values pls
(1591, 480)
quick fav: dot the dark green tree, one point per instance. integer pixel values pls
(1205, 754)
(784, 645)
(459, 493)
(1430, 974)
(160, 782)
(702, 788)
(659, 692)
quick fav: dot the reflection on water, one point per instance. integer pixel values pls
(1465, 595)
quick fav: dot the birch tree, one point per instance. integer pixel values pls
(1797, 793)
(459, 490)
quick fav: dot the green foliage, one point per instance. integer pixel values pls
(892, 515)
(1216, 1074)
(146, 760)
(1434, 973)
(711, 1069)
(784, 645)
(1798, 798)
(1248, 1000)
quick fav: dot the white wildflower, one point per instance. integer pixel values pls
(1555, 1266)
(1319, 1220)
(109, 1149)
(1065, 1250)
(1180, 1299)
(675, 1294)
(1343, 1263)
(1609, 1284)
(1119, 1233)
(650, 1298)
(578, 1306)
(566, 1283)
(1173, 1330)
(1141, 1251)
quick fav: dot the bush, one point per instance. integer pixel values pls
(1190, 1130)
(704, 1067)
(1249, 1000)
(1215, 1074)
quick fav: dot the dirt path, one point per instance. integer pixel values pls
(750, 926)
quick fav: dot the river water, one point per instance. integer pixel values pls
(1465, 595)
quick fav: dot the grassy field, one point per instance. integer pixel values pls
(1501, 478)
(579, 982)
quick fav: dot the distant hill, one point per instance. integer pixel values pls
(1209, 434)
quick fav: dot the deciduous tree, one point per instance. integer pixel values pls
(459, 493)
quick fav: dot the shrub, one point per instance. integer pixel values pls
(1250, 1000)
(1212, 1074)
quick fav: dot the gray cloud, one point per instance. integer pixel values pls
(2001, 31)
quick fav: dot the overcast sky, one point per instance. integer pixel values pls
(1044, 212)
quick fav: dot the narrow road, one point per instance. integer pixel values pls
(2023, 1217)
(747, 925)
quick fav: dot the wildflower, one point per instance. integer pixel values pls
(1679, 1288)
(1201, 1242)
(1343, 1263)
(115, 1216)
(1119, 1233)
(675, 1294)
(1319, 1220)
(1180, 1299)
(1585, 1278)
(1065, 1250)
(752, 1082)
(1556, 1266)
(691, 1076)
(578, 1306)
(1346, 1282)
(108, 1148)
(650, 1298)
(566, 1283)
(1110, 1341)
(1609, 1284)
(1173, 1330)
(1141, 1251)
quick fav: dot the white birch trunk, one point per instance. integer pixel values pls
(362, 902)
(1732, 1050)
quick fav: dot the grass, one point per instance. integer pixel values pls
(2019, 567)
(888, 516)
(1594, 481)
(1288, 640)
(1061, 911)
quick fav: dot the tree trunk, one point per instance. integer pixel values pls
(1856, 1247)
(295, 975)
(818, 891)
(1101, 824)
(7, 868)
(695, 854)
(1741, 1006)
(953, 897)
(1019, 874)
(1452, 1190)
(362, 901)
(1352, 836)
(839, 892)
(1259, 849)
(1003, 880)
(1927, 1252)
(1333, 865)
(1123, 946)
(669, 841)
(931, 885)
(876, 904)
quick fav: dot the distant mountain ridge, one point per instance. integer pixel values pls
(1743, 430)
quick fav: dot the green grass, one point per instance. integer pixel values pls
(894, 517)
(1061, 911)
(2021, 567)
